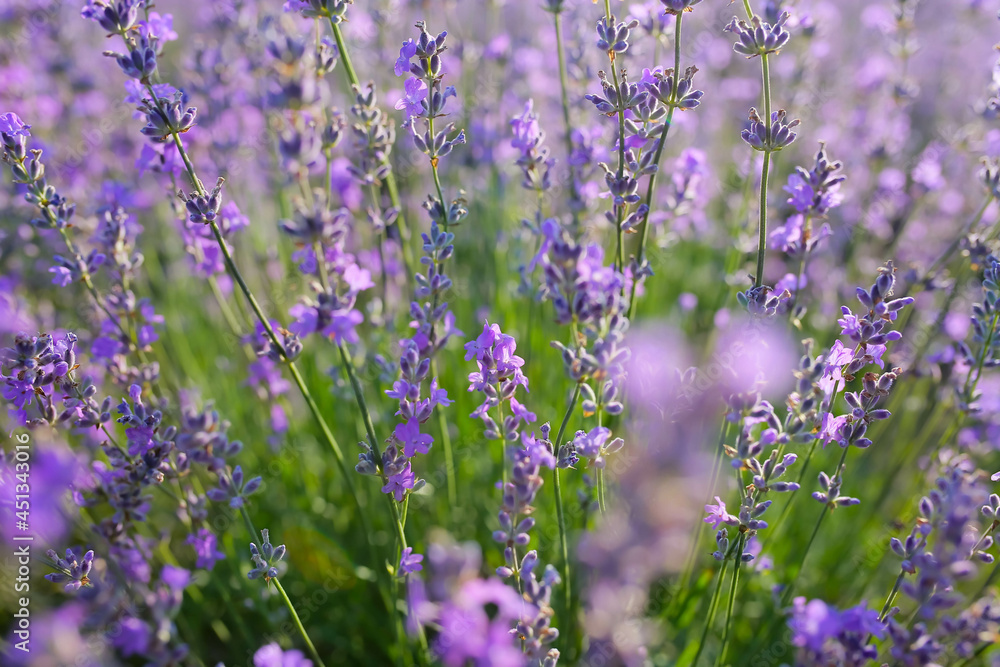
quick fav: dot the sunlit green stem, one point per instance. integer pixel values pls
(732, 601)
(560, 513)
(710, 617)
(298, 623)
(651, 187)
(449, 457)
(266, 324)
(390, 179)
(567, 123)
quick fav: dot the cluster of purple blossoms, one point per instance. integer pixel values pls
(432, 320)
(37, 372)
(127, 323)
(759, 38)
(812, 194)
(576, 281)
(155, 639)
(372, 137)
(425, 97)
(644, 110)
(321, 233)
(940, 553)
(498, 378)
(265, 559)
(533, 159)
(519, 493)
(72, 571)
(434, 325)
(826, 635)
(760, 429)
(983, 350)
(271, 655)
(769, 137)
(470, 618)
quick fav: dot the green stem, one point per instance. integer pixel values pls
(792, 495)
(567, 123)
(732, 601)
(254, 535)
(692, 556)
(600, 491)
(359, 396)
(560, 513)
(449, 458)
(298, 623)
(651, 187)
(345, 56)
(892, 596)
(787, 595)
(266, 324)
(713, 605)
(762, 224)
(390, 179)
(502, 432)
(765, 72)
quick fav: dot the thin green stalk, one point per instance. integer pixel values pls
(619, 234)
(762, 223)
(651, 187)
(366, 417)
(266, 324)
(567, 123)
(560, 513)
(712, 607)
(787, 595)
(732, 601)
(600, 491)
(892, 596)
(692, 556)
(298, 623)
(449, 458)
(791, 497)
(254, 535)
(390, 179)
(359, 396)
(345, 55)
(600, 471)
(503, 440)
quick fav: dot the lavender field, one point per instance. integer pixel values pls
(499, 333)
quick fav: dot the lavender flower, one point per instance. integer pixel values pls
(265, 559)
(613, 36)
(497, 379)
(759, 38)
(534, 159)
(206, 549)
(769, 137)
(71, 569)
(826, 635)
(233, 490)
(677, 6)
(271, 655)
(410, 562)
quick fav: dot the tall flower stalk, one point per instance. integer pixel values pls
(773, 132)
